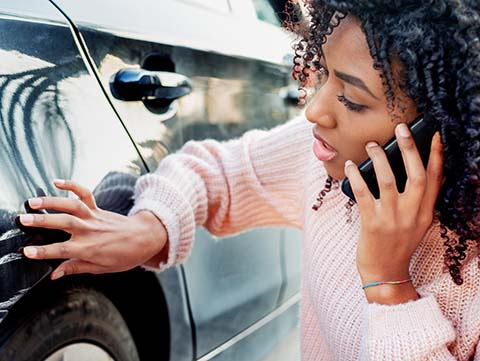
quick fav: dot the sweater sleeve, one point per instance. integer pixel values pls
(412, 331)
(227, 187)
(443, 324)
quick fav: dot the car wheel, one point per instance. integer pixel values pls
(77, 323)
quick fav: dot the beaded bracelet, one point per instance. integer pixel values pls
(386, 283)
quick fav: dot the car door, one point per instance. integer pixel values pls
(236, 68)
(54, 123)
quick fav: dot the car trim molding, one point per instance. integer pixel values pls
(256, 326)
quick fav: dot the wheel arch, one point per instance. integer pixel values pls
(137, 294)
(139, 297)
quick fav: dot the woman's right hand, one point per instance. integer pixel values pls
(101, 241)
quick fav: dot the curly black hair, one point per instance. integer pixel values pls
(437, 43)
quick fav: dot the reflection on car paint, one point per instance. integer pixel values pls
(54, 123)
(22, 137)
(231, 94)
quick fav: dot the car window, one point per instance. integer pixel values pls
(217, 5)
(266, 12)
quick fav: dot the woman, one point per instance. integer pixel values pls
(379, 65)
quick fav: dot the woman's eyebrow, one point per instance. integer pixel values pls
(353, 80)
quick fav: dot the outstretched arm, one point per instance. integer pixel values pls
(255, 180)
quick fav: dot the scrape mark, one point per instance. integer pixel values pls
(10, 234)
(7, 304)
(10, 258)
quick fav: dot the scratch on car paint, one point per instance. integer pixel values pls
(9, 234)
(10, 258)
(13, 299)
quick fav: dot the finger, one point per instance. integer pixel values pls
(416, 176)
(435, 178)
(62, 250)
(62, 221)
(76, 266)
(385, 178)
(82, 192)
(67, 205)
(364, 198)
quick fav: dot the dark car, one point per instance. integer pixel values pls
(99, 92)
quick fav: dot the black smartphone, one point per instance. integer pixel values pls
(422, 128)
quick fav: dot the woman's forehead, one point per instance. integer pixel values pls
(346, 50)
(348, 39)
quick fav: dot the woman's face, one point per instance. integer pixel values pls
(349, 108)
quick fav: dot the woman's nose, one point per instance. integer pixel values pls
(319, 112)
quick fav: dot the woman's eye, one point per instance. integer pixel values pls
(349, 105)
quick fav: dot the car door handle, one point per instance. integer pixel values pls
(140, 84)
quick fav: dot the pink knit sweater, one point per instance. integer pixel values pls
(270, 178)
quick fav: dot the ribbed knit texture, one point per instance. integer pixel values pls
(269, 178)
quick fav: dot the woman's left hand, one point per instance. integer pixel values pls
(393, 226)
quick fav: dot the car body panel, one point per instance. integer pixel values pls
(51, 101)
(232, 283)
(49, 105)
(182, 339)
(237, 84)
(39, 11)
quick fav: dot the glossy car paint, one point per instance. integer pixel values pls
(237, 86)
(55, 122)
(237, 81)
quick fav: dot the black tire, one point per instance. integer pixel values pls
(73, 315)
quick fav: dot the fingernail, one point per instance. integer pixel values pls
(348, 163)
(35, 202)
(57, 275)
(26, 219)
(372, 144)
(30, 251)
(59, 181)
(403, 130)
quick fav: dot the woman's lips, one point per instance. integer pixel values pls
(322, 150)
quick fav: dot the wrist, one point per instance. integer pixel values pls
(393, 274)
(391, 294)
(154, 232)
